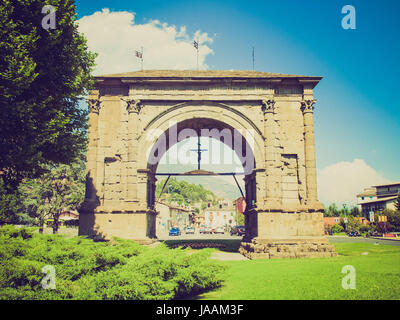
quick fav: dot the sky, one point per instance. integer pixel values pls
(357, 114)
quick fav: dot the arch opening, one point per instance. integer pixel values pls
(183, 138)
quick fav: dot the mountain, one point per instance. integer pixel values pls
(222, 186)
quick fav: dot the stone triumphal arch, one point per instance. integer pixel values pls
(131, 113)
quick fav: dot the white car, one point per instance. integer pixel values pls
(189, 230)
(219, 230)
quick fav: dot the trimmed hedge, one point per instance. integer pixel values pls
(118, 269)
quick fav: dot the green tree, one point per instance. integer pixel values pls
(185, 193)
(43, 74)
(332, 211)
(10, 206)
(61, 187)
(239, 218)
(353, 224)
(355, 211)
(393, 218)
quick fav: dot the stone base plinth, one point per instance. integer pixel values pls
(139, 226)
(312, 247)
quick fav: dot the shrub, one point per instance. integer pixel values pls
(365, 228)
(118, 269)
(336, 228)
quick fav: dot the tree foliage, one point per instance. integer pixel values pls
(43, 74)
(334, 211)
(61, 187)
(393, 219)
(184, 193)
(10, 206)
(337, 228)
(239, 219)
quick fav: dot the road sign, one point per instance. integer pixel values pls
(371, 216)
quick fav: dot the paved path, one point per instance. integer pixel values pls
(228, 256)
(198, 236)
(341, 239)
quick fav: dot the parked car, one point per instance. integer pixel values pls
(374, 234)
(189, 230)
(238, 230)
(174, 231)
(208, 230)
(202, 229)
(219, 230)
(353, 234)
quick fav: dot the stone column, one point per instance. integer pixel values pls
(133, 107)
(307, 107)
(272, 158)
(91, 200)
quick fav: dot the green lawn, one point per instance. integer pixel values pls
(377, 276)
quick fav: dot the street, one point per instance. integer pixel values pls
(198, 236)
(341, 239)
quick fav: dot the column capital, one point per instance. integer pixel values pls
(133, 105)
(307, 106)
(268, 105)
(94, 105)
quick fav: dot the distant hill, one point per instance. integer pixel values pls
(222, 186)
(217, 185)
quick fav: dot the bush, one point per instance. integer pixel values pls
(365, 228)
(118, 269)
(337, 228)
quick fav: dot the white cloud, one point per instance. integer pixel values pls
(342, 181)
(116, 37)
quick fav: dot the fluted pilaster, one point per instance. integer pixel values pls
(272, 157)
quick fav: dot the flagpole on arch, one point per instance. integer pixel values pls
(196, 45)
(140, 56)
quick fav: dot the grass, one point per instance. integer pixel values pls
(121, 269)
(377, 276)
(340, 234)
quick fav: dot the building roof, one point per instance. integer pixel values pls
(368, 192)
(379, 200)
(173, 206)
(174, 74)
(388, 184)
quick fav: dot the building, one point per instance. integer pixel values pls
(367, 195)
(240, 204)
(222, 215)
(171, 215)
(66, 218)
(378, 198)
(330, 221)
(198, 220)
